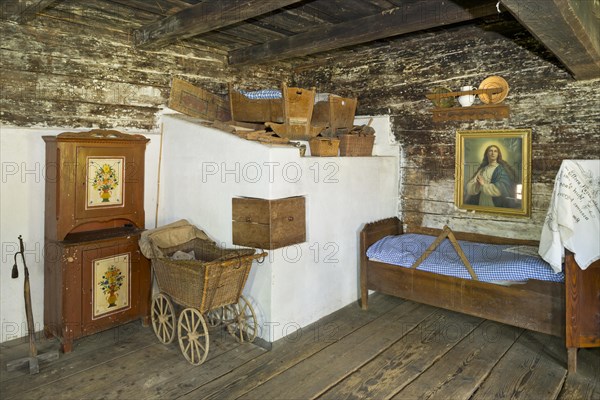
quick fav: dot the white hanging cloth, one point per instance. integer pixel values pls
(573, 218)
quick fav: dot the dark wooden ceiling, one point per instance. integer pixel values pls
(259, 31)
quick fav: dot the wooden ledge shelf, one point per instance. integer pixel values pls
(439, 96)
(487, 111)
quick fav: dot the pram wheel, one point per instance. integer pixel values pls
(163, 318)
(214, 317)
(241, 320)
(193, 336)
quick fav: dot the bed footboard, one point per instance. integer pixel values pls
(582, 307)
(371, 233)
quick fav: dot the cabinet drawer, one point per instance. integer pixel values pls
(268, 224)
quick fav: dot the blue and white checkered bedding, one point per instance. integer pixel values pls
(491, 263)
(263, 94)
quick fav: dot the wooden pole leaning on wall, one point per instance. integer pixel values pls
(446, 233)
(160, 152)
(33, 358)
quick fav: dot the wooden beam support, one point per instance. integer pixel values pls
(396, 21)
(201, 18)
(568, 29)
(21, 12)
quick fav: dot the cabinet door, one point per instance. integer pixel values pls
(110, 285)
(109, 183)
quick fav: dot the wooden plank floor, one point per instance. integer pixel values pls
(395, 350)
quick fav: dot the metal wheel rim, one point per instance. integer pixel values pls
(193, 336)
(242, 325)
(214, 317)
(163, 318)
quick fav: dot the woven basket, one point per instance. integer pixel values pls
(216, 278)
(356, 145)
(324, 147)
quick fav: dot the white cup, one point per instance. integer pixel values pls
(469, 99)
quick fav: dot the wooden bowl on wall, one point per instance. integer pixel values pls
(493, 82)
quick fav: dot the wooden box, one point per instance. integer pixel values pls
(324, 147)
(197, 102)
(94, 281)
(244, 109)
(335, 113)
(356, 145)
(268, 224)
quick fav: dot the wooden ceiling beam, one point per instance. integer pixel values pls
(412, 17)
(568, 29)
(21, 11)
(201, 18)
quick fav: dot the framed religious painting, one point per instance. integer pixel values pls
(493, 171)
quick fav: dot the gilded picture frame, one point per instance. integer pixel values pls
(493, 171)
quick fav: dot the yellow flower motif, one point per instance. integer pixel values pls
(106, 168)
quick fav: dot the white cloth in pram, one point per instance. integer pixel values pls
(173, 234)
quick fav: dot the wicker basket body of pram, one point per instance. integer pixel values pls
(209, 288)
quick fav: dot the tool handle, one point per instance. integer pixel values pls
(21, 245)
(22, 251)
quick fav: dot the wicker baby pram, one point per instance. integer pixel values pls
(209, 288)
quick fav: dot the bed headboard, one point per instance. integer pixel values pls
(474, 237)
(374, 231)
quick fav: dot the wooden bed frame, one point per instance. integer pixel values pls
(570, 310)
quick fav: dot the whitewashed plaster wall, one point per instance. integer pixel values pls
(202, 169)
(22, 185)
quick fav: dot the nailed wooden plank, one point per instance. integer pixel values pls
(104, 347)
(88, 382)
(20, 84)
(344, 10)
(203, 17)
(533, 368)
(75, 114)
(157, 377)
(562, 31)
(585, 384)
(318, 373)
(161, 8)
(446, 366)
(407, 358)
(289, 351)
(490, 111)
(388, 23)
(460, 372)
(75, 75)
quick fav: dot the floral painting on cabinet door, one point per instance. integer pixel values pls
(111, 284)
(105, 182)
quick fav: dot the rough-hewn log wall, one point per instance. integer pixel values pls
(74, 66)
(394, 77)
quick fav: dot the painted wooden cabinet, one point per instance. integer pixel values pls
(95, 277)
